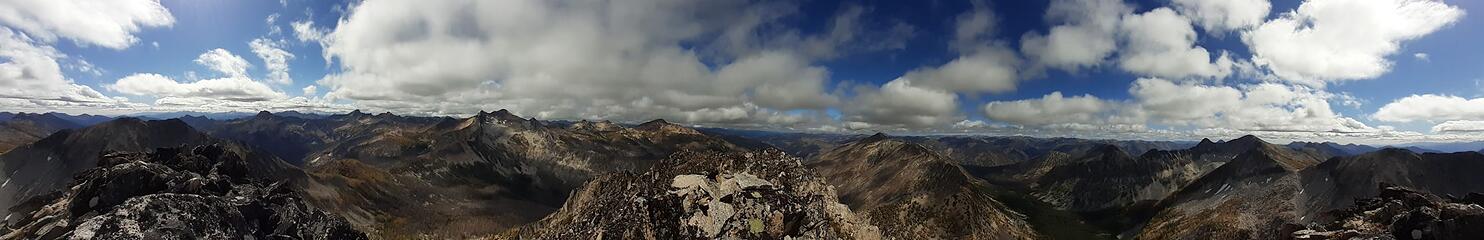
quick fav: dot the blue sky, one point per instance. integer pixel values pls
(856, 76)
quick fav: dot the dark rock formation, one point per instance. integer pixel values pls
(693, 195)
(1401, 213)
(205, 192)
(48, 164)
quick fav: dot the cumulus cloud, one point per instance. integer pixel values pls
(1258, 107)
(622, 61)
(275, 59)
(1084, 36)
(1220, 16)
(988, 69)
(224, 62)
(305, 31)
(29, 71)
(1431, 108)
(1332, 40)
(109, 24)
(1048, 110)
(1265, 107)
(1459, 126)
(900, 104)
(1161, 43)
(311, 90)
(230, 88)
(1421, 56)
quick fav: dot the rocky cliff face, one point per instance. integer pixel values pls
(716, 195)
(204, 192)
(912, 192)
(1402, 213)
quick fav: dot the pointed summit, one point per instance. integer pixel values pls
(1248, 139)
(264, 114)
(879, 136)
(1205, 142)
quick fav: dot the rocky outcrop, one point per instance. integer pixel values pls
(205, 192)
(48, 164)
(716, 195)
(1401, 213)
(912, 192)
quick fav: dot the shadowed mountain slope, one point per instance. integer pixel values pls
(912, 192)
(49, 163)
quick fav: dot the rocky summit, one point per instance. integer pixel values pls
(204, 192)
(706, 195)
(1402, 213)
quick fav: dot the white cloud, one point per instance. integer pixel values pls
(621, 61)
(988, 69)
(275, 59)
(109, 24)
(1266, 107)
(229, 88)
(1259, 107)
(1421, 56)
(1332, 40)
(306, 32)
(1084, 38)
(310, 90)
(1050, 109)
(1431, 108)
(223, 61)
(1459, 126)
(1161, 43)
(272, 21)
(30, 71)
(900, 104)
(1220, 16)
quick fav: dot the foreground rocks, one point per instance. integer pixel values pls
(205, 192)
(757, 195)
(1401, 213)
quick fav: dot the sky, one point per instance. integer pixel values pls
(1364, 71)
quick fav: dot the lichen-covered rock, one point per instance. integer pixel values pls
(204, 192)
(758, 195)
(1401, 213)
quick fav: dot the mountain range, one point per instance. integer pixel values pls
(499, 175)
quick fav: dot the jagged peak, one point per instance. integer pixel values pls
(264, 114)
(356, 112)
(879, 136)
(502, 114)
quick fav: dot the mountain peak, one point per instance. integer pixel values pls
(1205, 142)
(654, 124)
(1247, 139)
(875, 137)
(264, 114)
(502, 114)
